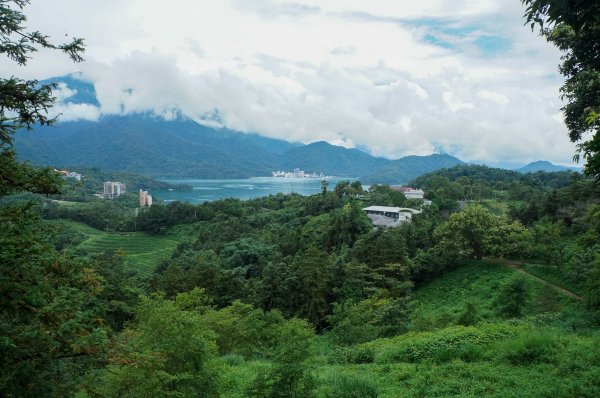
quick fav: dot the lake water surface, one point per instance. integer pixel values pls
(249, 188)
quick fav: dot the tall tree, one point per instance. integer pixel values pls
(24, 103)
(50, 316)
(169, 351)
(477, 232)
(574, 27)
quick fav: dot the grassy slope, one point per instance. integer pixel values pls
(538, 355)
(441, 302)
(553, 275)
(142, 252)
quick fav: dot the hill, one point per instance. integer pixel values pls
(544, 165)
(333, 160)
(402, 170)
(150, 145)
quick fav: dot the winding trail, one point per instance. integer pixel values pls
(518, 267)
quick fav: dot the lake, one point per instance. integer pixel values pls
(249, 188)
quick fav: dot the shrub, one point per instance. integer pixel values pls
(351, 355)
(469, 316)
(416, 347)
(343, 386)
(467, 352)
(512, 297)
(529, 348)
(233, 359)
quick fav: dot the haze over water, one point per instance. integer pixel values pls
(249, 188)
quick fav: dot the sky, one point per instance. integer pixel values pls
(395, 78)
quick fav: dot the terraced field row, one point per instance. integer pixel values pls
(142, 252)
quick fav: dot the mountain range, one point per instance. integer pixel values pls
(151, 145)
(544, 165)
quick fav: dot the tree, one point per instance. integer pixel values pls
(51, 318)
(168, 351)
(512, 297)
(465, 232)
(348, 224)
(477, 232)
(574, 27)
(50, 313)
(289, 376)
(311, 285)
(24, 103)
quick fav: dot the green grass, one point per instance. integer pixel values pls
(441, 302)
(536, 355)
(142, 252)
(553, 275)
(492, 360)
(497, 357)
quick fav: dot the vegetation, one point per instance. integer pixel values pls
(292, 296)
(295, 296)
(574, 27)
(141, 252)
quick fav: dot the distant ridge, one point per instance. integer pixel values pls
(333, 160)
(544, 165)
(402, 170)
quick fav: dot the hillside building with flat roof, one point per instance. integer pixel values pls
(409, 192)
(386, 216)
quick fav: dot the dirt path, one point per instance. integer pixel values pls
(517, 267)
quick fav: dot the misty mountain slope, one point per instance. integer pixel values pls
(183, 148)
(332, 160)
(402, 170)
(148, 145)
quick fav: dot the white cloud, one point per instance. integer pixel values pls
(70, 112)
(396, 77)
(493, 97)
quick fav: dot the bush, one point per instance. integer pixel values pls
(233, 359)
(343, 386)
(469, 316)
(452, 342)
(529, 348)
(512, 297)
(351, 355)
(467, 352)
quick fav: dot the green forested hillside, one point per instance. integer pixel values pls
(299, 296)
(149, 145)
(401, 171)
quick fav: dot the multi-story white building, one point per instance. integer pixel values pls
(145, 198)
(112, 189)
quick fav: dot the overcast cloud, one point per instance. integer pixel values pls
(463, 77)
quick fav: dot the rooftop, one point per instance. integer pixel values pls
(388, 209)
